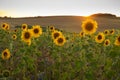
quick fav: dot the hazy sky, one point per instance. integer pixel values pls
(19, 8)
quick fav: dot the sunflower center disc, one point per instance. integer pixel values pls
(5, 54)
(60, 40)
(56, 35)
(3, 25)
(119, 38)
(89, 26)
(27, 35)
(106, 43)
(36, 31)
(99, 37)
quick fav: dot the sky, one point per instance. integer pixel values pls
(28, 8)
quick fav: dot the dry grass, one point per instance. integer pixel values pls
(68, 23)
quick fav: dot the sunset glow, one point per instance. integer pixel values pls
(27, 8)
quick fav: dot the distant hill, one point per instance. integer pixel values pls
(104, 15)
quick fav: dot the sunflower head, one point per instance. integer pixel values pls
(99, 38)
(60, 41)
(37, 31)
(89, 26)
(8, 27)
(6, 73)
(51, 28)
(14, 36)
(24, 26)
(5, 26)
(82, 34)
(107, 42)
(117, 41)
(26, 35)
(56, 34)
(106, 32)
(6, 54)
(112, 31)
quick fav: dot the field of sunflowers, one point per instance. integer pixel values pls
(33, 54)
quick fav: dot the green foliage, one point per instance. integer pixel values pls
(80, 58)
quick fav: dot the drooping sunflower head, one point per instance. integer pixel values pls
(100, 38)
(51, 28)
(24, 26)
(107, 42)
(112, 31)
(60, 41)
(106, 32)
(6, 54)
(26, 35)
(14, 36)
(117, 41)
(7, 27)
(37, 31)
(56, 34)
(89, 26)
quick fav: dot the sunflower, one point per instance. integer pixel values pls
(106, 32)
(81, 34)
(51, 28)
(117, 41)
(6, 73)
(56, 34)
(107, 42)
(112, 31)
(99, 38)
(89, 26)
(14, 36)
(60, 41)
(5, 26)
(26, 35)
(6, 54)
(24, 26)
(37, 31)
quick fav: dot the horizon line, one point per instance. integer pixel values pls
(56, 15)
